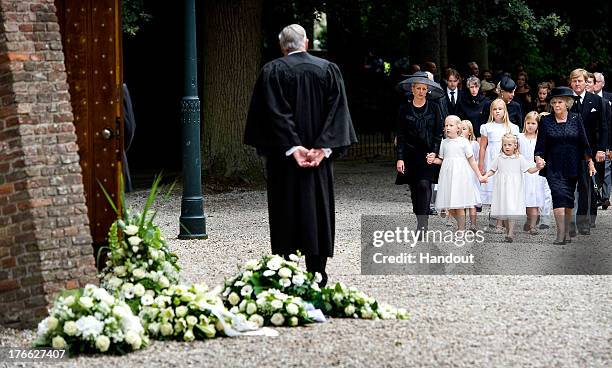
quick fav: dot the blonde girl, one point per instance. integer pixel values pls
(508, 202)
(533, 189)
(456, 190)
(491, 135)
(468, 133)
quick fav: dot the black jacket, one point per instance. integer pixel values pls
(453, 109)
(594, 119)
(471, 107)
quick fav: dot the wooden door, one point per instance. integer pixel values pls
(91, 38)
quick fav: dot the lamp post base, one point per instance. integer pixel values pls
(192, 221)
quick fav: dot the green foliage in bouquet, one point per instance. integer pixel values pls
(90, 320)
(139, 262)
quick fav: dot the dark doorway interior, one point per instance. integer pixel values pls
(153, 72)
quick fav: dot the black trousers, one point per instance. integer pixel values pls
(420, 194)
(586, 213)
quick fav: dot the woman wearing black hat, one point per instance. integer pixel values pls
(419, 133)
(562, 143)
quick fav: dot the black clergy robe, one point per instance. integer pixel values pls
(299, 100)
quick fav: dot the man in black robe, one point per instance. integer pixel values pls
(299, 121)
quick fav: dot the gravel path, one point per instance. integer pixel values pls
(457, 321)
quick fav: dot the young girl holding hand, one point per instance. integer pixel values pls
(456, 190)
(507, 200)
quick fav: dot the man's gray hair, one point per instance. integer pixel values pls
(598, 75)
(292, 37)
(473, 81)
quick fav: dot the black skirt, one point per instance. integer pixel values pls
(562, 190)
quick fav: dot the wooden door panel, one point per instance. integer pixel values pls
(91, 39)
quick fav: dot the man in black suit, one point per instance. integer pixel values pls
(592, 109)
(453, 92)
(606, 182)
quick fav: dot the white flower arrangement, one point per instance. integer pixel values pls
(190, 313)
(342, 301)
(90, 320)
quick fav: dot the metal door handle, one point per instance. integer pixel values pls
(107, 133)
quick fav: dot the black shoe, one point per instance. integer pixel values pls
(509, 239)
(572, 233)
(478, 209)
(605, 204)
(433, 212)
(556, 242)
(526, 227)
(544, 226)
(584, 232)
(593, 225)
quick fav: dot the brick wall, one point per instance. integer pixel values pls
(45, 243)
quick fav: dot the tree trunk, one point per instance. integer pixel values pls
(476, 49)
(443, 43)
(231, 60)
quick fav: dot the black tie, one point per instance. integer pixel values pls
(453, 97)
(578, 105)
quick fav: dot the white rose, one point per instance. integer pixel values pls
(69, 300)
(209, 330)
(366, 313)
(114, 282)
(135, 249)
(284, 282)
(277, 319)
(133, 339)
(298, 280)
(246, 290)
(251, 308)
(70, 328)
(146, 299)
(276, 304)
(153, 328)
(181, 311)
(318, 277)
(119, 271)
(52, 323)
(268, 273)
(274, 263)
(219, 326)
(130, 230)
(102, 343)
(251, 264)
(164, 282)
(257, 319)
(189, 336)
(284, 272)
(139, 290)
(293, 321)
(191, 320)
(233, 298)
(139, 273)
(134, 240)
(166, 329)
(349, 310)
(294, 258)
(234, 310)
(292, 309)
(86, 302)
(188, 297)
(58, 342)
(246, 275)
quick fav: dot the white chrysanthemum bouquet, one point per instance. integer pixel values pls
(90, 320)
(342, 301)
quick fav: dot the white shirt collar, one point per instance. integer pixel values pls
(295, 52)
(582, 95)
(600, 93)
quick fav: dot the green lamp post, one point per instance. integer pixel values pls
(192, 220)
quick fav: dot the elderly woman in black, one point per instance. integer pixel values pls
(562, 143)
(470, 107)
(419, 133)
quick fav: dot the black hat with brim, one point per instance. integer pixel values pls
(560, 92)
(433, 89)
(507, 84)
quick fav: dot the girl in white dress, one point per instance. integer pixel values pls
(456, 190)
(533, 189)
(468, 133)
(508, 200)
(490, 146)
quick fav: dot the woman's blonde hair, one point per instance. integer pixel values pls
(470, 128)
(531, 115)
(510, 137)
(505, 118)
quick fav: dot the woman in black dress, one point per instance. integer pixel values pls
(470, 107)
(419, 133)
(562, 143)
